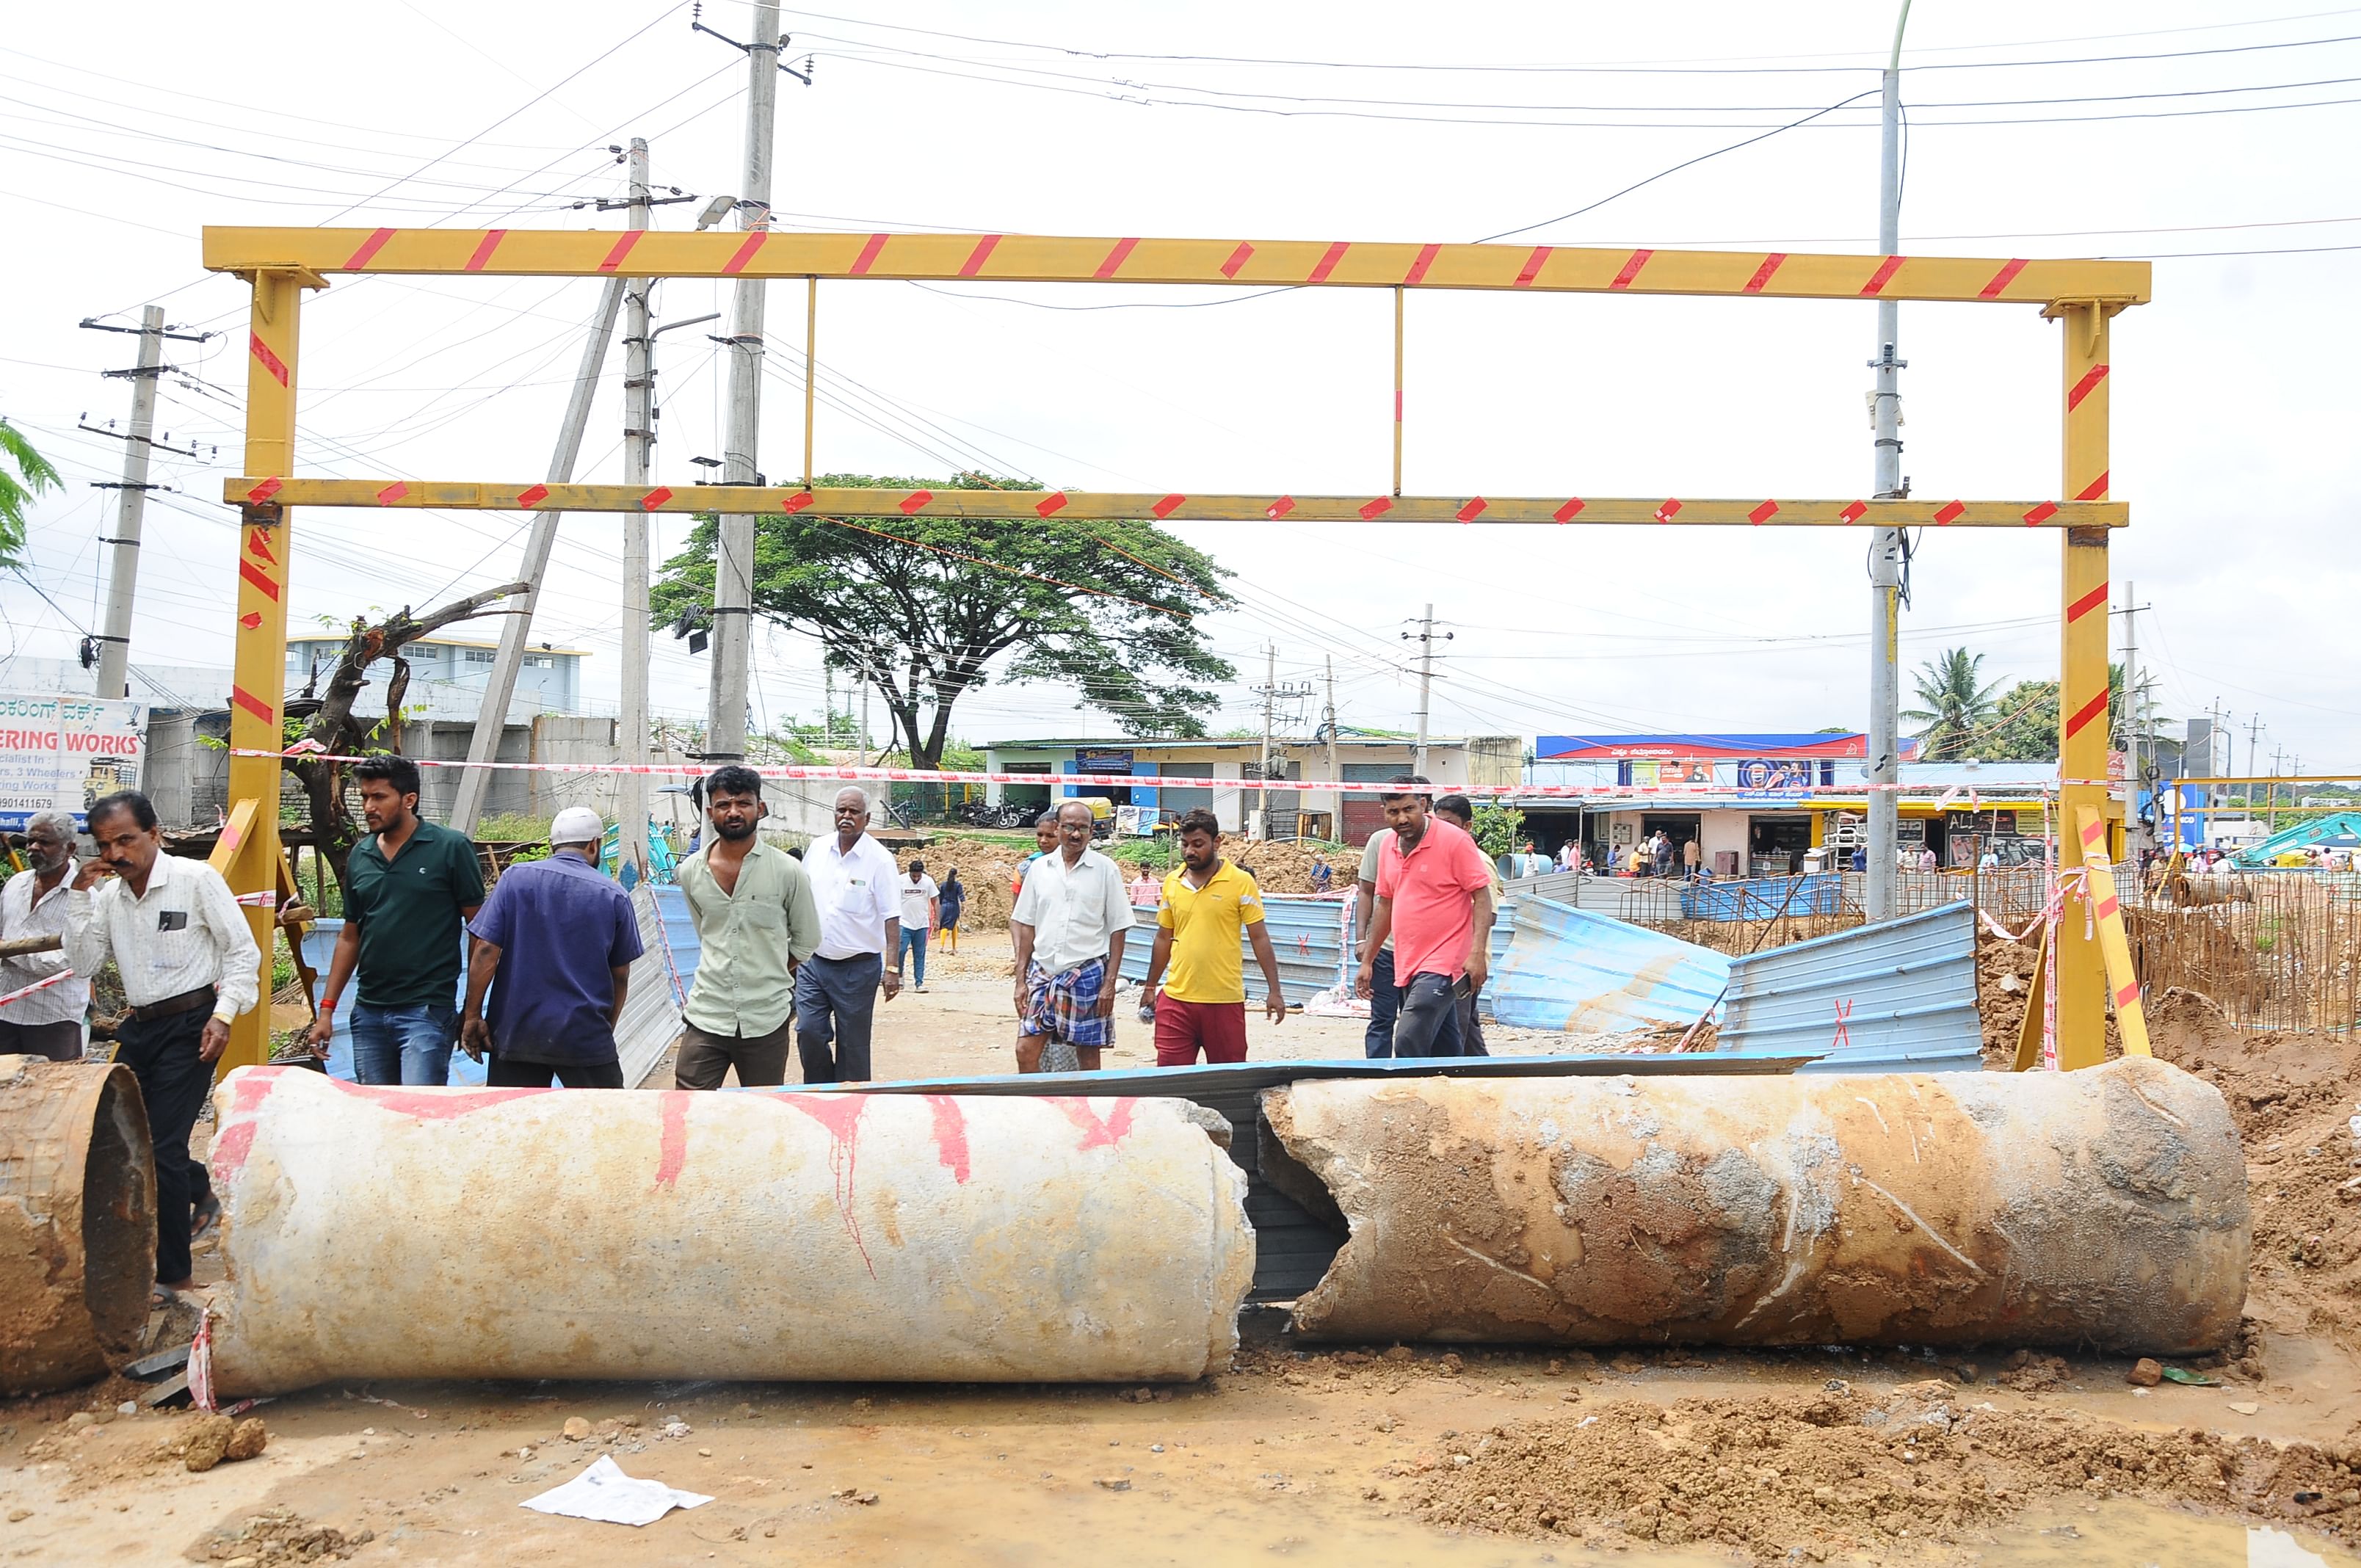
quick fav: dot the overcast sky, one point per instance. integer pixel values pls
(127, 129)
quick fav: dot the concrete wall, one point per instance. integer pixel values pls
(1723, 831)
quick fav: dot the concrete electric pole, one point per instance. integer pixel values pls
(1331, 727)
(639, 453)
(492, 714)
(1425, 682)
(130, 508)
(1885, 550)
(1269, 707)
(733, 566)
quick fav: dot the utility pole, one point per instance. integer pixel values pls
(2254, 734)
(638, 452)
(1270, 709)
(734, 588)
(1886, 550)
(492, 715)
(131, 506)
(1335, 774)
(1425, 681)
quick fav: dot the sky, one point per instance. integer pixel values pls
(2214, 137)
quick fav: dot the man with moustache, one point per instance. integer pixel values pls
(33, 903)
(756, 923)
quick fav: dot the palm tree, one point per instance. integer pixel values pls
(1958, 704)
(16, 494)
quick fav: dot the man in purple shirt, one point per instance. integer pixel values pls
(554, 944)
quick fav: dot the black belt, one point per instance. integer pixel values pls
(187, 1002)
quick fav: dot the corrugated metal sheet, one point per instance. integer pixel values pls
(1589, 974)
(1899, 995)
(650, 1020)
(1307, 933)
(1766, 899)
(1560, 886)
(679, 934)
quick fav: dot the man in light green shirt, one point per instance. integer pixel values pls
(756, 921)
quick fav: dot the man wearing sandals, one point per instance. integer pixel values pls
(1067, 929)
(189, 966)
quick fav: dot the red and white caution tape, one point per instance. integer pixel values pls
(43, 983)
(847, 774)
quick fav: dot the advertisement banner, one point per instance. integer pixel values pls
(60, 753)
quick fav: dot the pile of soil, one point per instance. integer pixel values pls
(1804, 1477)
(987, 865)
(2004, 972)
(2293, 1097)
(1282, 867)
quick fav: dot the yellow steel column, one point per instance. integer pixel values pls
(2082, 728)
(811, 367)
(1398, 388)
(258, 684)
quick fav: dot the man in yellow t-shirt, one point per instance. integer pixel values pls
(1209, 904)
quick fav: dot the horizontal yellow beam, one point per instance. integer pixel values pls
(1046, 258)
(1031, 506)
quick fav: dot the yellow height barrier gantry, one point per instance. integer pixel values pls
(281, 264)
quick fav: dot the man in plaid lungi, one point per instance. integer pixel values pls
(1068, 928)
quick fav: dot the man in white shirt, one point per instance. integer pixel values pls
(189, 966)
(1068, 928)
(48, 1023)
(919, 897)
(852, 883)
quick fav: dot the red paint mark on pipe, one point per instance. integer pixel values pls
(1097, 1132)
(1533, 268)
(672, 1141)
(2096, 490)
(840, 1114)
(484, 248)
(1376, 509)
(620, 250)
(797, 502)
(1052, 504)
(1115, 258)
(914, 500)
(2041, 514)
(533, 495)
(978, 256)
(260, 579)
(1882, 276)
(2094, 708)
(393, 492)
(1237, 259)
(235, 1140)
(2087, 603)
(1327, 262)
(656, 498)
(271, 361)
(1573, 508)
(1639, 259)
(1417, 273)
(868, 257)
(1475, 509)
(432, 1104)
(2083, 388)
(951, 1135)
(1771, 264)
(746, 253)
(1169, 505)
(1950, 512)
(1280, 507)
(2001, 278)
(368, 251)
(1763, 514)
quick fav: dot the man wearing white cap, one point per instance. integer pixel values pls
(555, 944)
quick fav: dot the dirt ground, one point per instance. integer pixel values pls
(1346, 1455)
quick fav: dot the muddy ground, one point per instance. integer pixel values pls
(1335, 1456)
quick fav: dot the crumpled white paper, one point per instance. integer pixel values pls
(604, 1493)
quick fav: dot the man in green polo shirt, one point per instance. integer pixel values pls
(408, 885)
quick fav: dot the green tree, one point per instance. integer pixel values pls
(34, 474)
(2024, 726)
(1498, 830)
(1957, 701)
(923, 607)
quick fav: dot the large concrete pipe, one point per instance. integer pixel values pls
(452, 1233)
(2104, 1209)
(77, 1221)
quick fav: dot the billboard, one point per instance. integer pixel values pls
(60, 753)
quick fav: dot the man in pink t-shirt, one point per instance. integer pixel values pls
(1435, 899)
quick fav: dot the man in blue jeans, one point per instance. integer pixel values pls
(1385, 996)
(408, 885)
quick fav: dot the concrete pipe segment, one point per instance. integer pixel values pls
(77, 1222)
(598, 1234)
(2104, 1209)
